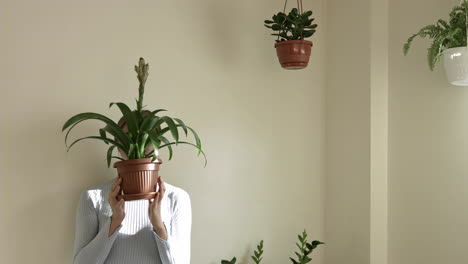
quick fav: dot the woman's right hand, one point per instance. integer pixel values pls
(117, 205)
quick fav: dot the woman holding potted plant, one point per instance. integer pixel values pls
(114, 222)
(110, 230)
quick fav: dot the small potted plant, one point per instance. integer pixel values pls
(291, 30)
(140, 135)
(449, 40)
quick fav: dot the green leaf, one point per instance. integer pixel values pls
(307, 14)
(130, 118)
(293, 261)
(102, 132)
(172, 127)
(112, 127)
(188, 143)
(94, 137)
(276, 27)
(181, 123)
(150, 120)
(166, 141)
(268, 22)
(115, 157)
(154, 140)
(131, 150)
(197, 140)
(109, 155)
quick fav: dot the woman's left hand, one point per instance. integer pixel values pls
(155, 210)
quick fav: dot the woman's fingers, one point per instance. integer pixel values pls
(162, 189)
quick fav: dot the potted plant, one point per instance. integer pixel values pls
(140, 135)
(291, 29)
(449, 40)
(305, 248)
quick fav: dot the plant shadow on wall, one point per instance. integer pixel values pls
(139, 136)
(302, 255)
(449, 40)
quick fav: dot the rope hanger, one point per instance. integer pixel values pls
(301, 10)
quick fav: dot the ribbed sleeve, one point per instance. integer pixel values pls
(92, 244)
(176, 249)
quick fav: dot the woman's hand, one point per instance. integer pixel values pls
(155, 211)
(117, 205)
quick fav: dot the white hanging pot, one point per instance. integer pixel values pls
(456, 65)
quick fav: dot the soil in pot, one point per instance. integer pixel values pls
(139, 178)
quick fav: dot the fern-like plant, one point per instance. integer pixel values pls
(444, 34)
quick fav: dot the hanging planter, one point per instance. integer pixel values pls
(292, 50)
(449, 40)
(456, 65)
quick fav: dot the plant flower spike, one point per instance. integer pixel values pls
(140, 135)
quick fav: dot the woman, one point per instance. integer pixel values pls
(111, 230)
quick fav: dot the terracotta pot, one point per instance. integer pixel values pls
(139, 178)
(293, 54)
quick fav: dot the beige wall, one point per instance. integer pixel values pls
(213, 65)
(428, 147)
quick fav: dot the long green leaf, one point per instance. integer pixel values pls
(197, 139)
(188, 143)
(149, 121)
(172, 126)
(181, 123)
(113, 128)
(109, 155)
(95, 137)
(130, 118)
(155, 141)
(102, 132)
(131, 151)
(126, 141)
(166, 141)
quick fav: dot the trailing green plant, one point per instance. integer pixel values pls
(292, 26)
(305, 248)
(143, 131)
(444, 34)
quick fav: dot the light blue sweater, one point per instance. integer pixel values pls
(134, 241)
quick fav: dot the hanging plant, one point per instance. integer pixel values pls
(291, 30)
(449, 40)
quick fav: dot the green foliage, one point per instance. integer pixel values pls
(292, 26)
(232, 261)
(143, 132)
(444, 35)
(257, 256)
(305, 248)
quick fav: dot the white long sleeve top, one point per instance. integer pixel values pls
(134, 241)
